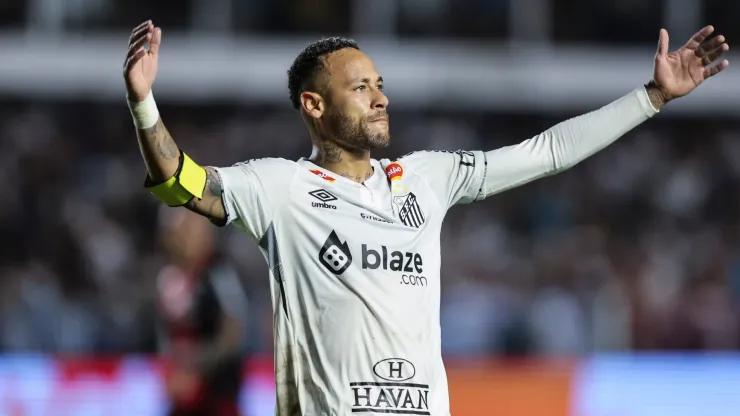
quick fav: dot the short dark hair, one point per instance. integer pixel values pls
(309, 62)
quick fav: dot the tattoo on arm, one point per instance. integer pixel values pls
(160, 152)
(162, 157)
(162, 140)
(168, 149)
(212, 205)
(213, 183)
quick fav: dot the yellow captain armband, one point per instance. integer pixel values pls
(188, 182)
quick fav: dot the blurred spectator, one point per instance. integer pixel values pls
(202, 311)
(635, 248)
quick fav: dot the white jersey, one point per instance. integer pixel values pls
(355, 268)
(355, 277)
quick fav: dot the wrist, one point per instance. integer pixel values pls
(658, 98)
(144, 111)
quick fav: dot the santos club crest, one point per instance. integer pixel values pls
(409, 211)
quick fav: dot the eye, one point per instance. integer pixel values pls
(361, 88)
(381, 87)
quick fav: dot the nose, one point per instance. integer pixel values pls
(380, 100)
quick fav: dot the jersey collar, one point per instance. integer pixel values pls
(377, 177)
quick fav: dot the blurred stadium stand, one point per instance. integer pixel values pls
(613, 266)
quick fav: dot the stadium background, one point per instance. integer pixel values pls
(611, 289)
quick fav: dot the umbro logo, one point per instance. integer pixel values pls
(324, 196)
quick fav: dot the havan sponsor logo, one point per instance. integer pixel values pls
(394, 369)
(393, 396)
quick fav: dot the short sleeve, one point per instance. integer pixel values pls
(252, 190)
(455, 177)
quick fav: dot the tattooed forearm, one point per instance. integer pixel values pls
(168, 149)
(211, 206)
(162, 158)
(160, 152)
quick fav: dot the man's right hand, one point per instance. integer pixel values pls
(140, 66)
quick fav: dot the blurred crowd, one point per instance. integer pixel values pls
(636, 248)
(602, 21)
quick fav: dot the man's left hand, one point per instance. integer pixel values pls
(678, 73)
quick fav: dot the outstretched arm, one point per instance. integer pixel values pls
(568, 143)
(163, 159)
(565, 144)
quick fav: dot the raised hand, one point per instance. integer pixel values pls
(678, 73)
(140, 66)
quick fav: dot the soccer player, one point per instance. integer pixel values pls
(202, 305)
(353, 243)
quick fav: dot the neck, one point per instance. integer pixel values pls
(353, 164)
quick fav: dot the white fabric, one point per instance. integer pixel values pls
(566, 144)
(356, 288)
(145, 112)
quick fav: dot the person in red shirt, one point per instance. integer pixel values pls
(202, 307)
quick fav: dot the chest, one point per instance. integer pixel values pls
(376, 210)
(380, 241)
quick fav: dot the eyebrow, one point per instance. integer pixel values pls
(366, 80)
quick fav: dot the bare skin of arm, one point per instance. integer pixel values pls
(160, 152)
(162, 158)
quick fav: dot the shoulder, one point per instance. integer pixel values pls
(267, 171)
(268, 163)
(430, 161)
(422, 156)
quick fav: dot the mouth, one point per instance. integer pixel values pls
(377, 120)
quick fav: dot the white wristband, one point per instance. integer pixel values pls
(145, 113)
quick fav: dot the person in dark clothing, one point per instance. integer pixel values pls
(202, 307)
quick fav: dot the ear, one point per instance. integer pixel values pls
(312, 104)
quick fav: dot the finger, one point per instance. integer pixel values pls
(155, 41)
(139, 33)
(699, 37)
(662, 43)
(710, 45)
(715, 54)
(714, 70)
(132, 60)
(139, 28)
(139, 45)
(141, 25)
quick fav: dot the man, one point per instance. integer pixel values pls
(202, 305)
(353, 242)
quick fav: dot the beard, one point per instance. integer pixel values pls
(359, 133)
